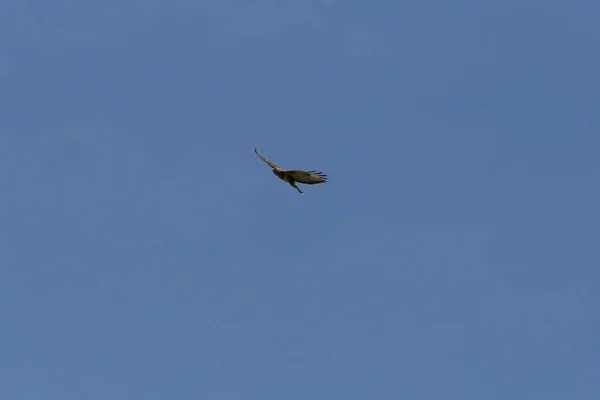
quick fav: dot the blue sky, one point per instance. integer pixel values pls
(147, 253)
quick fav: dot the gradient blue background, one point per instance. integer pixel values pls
(147, 253)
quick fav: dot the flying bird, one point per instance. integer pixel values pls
(293, 176)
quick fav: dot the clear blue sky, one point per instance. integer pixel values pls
(147, 253)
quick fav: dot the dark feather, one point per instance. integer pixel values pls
(308, 178)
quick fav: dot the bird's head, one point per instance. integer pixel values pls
(279, 174)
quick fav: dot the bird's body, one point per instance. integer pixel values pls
(293, 176)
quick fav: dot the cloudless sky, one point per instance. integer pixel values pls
(147, 253)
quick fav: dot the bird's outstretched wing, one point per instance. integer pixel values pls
(271, 164)
(308, 177)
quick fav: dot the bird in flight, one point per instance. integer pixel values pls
(293, 176)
